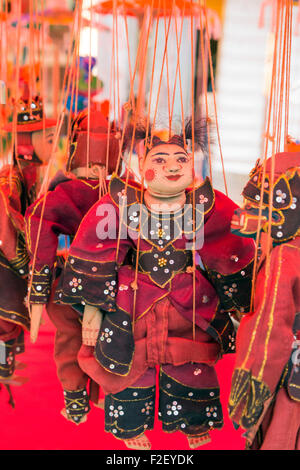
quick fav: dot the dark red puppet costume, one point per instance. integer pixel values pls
(265, 393)
(60, 211)
(17, 191)
(157, 328)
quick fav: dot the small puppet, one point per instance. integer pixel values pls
(136, 284)
(18, 185)
(265, 391)
(59, 212)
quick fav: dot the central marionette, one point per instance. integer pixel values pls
(159, 274)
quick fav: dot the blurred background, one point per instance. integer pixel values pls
(240, 37)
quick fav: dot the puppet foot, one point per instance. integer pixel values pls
(197, 441)
(16, 380)
(100, 404)
(64, 413)
(138, 443)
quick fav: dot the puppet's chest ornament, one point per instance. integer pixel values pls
(158, 256)
(162, 265)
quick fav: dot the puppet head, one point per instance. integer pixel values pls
(285, 220)
(165, 162)
(103, 149)
(32, 147)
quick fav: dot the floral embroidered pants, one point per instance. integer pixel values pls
(189, 401)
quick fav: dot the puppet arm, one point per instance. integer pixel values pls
(265, 338)
(12, 240)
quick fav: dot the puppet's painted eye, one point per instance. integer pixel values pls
(159, 160)
(182, 159)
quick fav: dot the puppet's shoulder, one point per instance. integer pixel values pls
(202, 195)
(121, 191)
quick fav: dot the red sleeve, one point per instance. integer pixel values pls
(57, 212)
(90, 274)
(12, 240)
(265, 337)
(228, 258)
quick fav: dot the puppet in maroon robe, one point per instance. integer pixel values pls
(150, 321)
(60, 211)
(265, 393)
(18, 183)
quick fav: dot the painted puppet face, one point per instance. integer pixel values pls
(43, 147)
(168, 170)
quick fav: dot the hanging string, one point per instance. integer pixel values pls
(178, 73)
(193, 158)
(55, 142)
(167, 72)
(214, 95)
(117, 66)
(161, 73)
(280, 77)
(142, 71)
(205, 77)
(178, 45)
(89, 92)
(131, 104)
(271, 104)
(275, 147)
(16, 94)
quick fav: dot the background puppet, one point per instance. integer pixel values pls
(265, 393)
(60, 211)
(147, 303)
(18, 186)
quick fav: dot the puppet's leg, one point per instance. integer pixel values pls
(189, 401)
(70, 375)
(280, 428)
(9, 332)
(130, 412)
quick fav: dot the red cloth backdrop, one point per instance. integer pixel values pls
(36, 422)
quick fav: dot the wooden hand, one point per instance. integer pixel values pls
(36, 321)
(92, 319)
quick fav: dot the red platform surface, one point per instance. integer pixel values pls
(36, 422)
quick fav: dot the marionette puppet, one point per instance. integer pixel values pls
(59, 212)
(18, 185)
(265, 392)
(142, 315)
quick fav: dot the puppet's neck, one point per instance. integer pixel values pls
(164, 203)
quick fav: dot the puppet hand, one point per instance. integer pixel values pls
(91, 324)
(36, 321)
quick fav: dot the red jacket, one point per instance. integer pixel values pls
(267, 338)
(61, 213)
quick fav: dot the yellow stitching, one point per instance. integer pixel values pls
(271, 316)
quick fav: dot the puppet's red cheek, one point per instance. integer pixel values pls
(149, 175)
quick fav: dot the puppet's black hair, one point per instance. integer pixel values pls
(199, 135)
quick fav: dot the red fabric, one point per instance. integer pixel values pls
(265, 338)
(281, 426)
(66, 346)
(39, 402)
(12, 220)
(74, 198)
(264, 345)
(9, 330)
(283, 161)
(162, 336)
(98, 148)
(219, 252)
